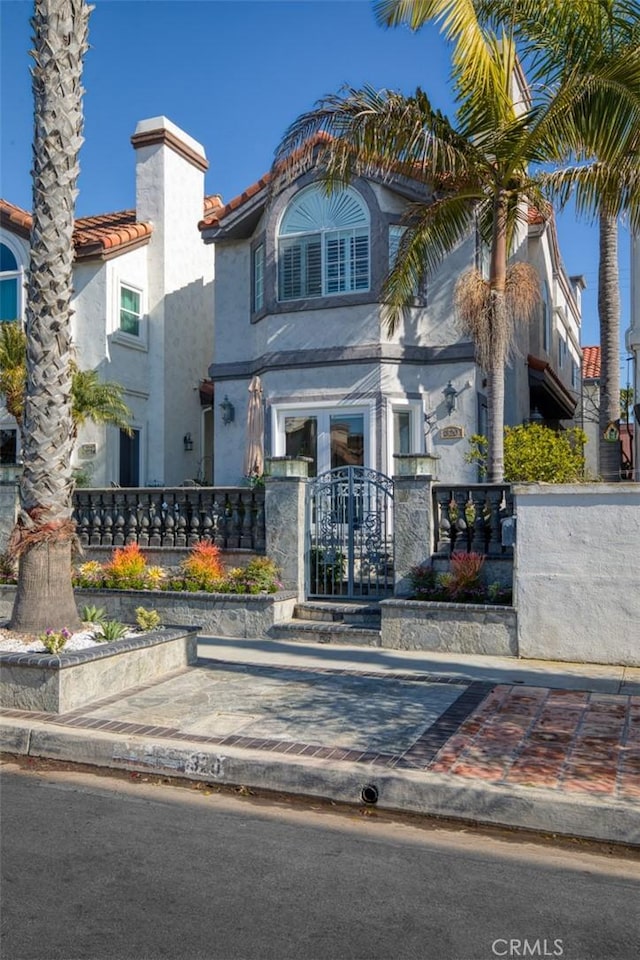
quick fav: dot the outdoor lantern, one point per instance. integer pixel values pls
(188, 442)
(228, 410)
(450, 397)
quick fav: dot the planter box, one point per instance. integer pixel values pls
(58, 684)
(238, 615)
(449, 627)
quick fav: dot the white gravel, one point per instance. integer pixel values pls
(12, 642)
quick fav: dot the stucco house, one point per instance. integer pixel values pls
(297, 304)
(143, 314)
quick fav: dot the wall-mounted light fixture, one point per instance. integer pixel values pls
(450, 397)
(534, 417)
(228, 410)
(188, 442)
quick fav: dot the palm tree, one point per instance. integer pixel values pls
(13, 369)
(480, 171)
(45, 531)
(559, 38)
(91, 398)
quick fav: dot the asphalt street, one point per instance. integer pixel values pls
(131, 868)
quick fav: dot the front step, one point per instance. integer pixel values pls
(364, 614)
(317, 631)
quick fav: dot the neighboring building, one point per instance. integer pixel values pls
(143, 314)
(297, 303)
(590, 408)
(633, 340)
(590, 419)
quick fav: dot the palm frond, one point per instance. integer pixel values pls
(378, 133)
(98, 401)
(475, 310)
(13, 368)
(433, 231)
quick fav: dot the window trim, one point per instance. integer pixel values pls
(366, 408)
(17, 275)
(258, 278)
(416, 410)
(347, 267)
(139, 341)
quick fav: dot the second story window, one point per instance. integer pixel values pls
(10, 286)
(323, 245)
(546, 318)
(258, 277)
(562, 352)
(130, 310)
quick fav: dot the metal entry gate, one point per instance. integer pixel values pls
(350, 544)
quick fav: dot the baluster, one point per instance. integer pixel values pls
(155, 540)
(107, 530)
(193, 531)
(246, 540)
(132, 525)
(118, 526)
(470, 514)
(206, 527)
(453, 515)
(444, 526)
(181, 525)
(258, 524)
(169, 537)
(144, 524)
(217, 515)
(83, 530)
(95, 534)
(236, 519)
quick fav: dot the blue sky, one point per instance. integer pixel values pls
(233, 74)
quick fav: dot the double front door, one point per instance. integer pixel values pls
(330, 438)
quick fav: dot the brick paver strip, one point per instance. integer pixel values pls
(572, 741)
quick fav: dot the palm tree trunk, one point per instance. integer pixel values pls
(609, 316)
(498, 340)
(45, 531)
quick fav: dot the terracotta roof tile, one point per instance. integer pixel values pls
(212, 218)
(15, 218)
(103, 233)
(591, 363)
(100, 235)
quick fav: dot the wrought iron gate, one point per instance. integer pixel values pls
(350, 543)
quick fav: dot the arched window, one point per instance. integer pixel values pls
(10, 279)
(323, 245)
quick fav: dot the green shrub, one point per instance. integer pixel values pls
(55, 640)
(535, 453)
(93, 614)
(147, 620)
(111, 630)
(462, 583)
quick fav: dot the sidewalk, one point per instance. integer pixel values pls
(532, 744)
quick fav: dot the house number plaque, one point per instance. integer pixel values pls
(452, 433)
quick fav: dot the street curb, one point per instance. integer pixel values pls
(411, 791)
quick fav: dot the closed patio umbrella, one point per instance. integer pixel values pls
(254, 452)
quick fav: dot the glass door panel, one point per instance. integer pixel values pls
(301, 440)
(347, 440)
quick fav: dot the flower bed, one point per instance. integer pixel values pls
(62, 682)
(462, 583)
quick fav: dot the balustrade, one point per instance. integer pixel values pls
(469, 518)
(230, 517)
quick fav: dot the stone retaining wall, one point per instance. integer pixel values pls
(57, 684)
(449, 627)
(219, 614)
